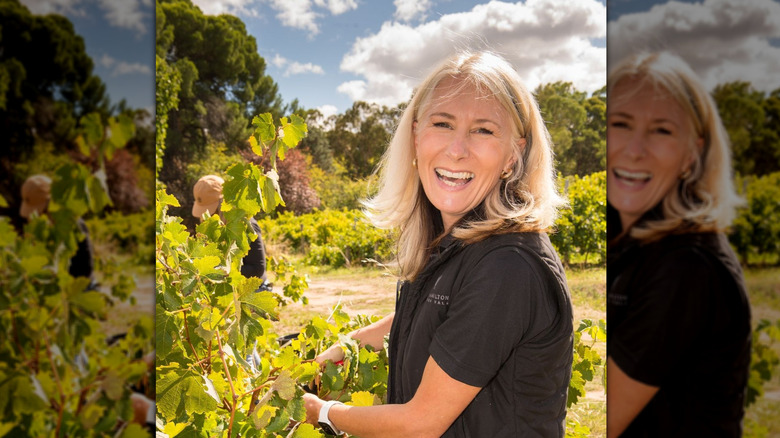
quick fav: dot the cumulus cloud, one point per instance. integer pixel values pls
(544, 41)
(294, 67)
(118, 68)
(231, 7)
(300, 14)
(127, 14)
(408, 10)
(722, 40)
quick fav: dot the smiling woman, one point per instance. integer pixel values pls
(481, 340)
(675, 293)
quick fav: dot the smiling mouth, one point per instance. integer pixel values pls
(632, 178)
(454, 179)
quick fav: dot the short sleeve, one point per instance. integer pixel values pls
(666, 313)
(501, 303)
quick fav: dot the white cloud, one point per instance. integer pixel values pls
(119, 68)
(63, 7)
(408, 10)
(337, 7)
(299, 14)
(545, 43)
(294, 67)
(231, 7)
(722, 40)
(127, 14)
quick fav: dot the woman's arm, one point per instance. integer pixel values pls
(626, 397)
(373, 335)
(435, 406)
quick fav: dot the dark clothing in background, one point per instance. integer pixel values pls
(679, 319)
(495, 314)
(254, 262)
(82, 263)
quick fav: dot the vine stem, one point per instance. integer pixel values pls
(59, 386)
(187, 331)
(230, 381)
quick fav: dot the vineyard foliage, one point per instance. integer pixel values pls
(59, 375)
(756, 230)
(581, 229)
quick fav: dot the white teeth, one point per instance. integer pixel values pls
(455, 175)
(627, 174)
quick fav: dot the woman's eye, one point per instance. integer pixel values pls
(484, 131)
(663, 131)
(618, 124)
(441, 125)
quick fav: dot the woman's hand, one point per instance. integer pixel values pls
(334, 354)
(313, 404)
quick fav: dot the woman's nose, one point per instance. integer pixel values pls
(637, 146)
(458, 147)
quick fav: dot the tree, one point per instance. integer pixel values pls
(46, 82)
(741, 111)
(577, 125)
(360, 136)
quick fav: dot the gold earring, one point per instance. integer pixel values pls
(505, 174)
(414, 163)
(686, 174)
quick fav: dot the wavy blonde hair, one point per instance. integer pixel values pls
(526, 201)
(705, 200)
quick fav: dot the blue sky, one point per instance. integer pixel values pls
(119, 37)
(330, 53)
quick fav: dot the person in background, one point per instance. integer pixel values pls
(480, 344)
(678, 348)
(208, 198)
(36, 193)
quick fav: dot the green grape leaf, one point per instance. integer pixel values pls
(294, 132)
(362, 398)
(206, 265)
(271, 193)
(91, 301)
(164, 199)
(92, 128)
(243, 190)
(279, 422)
(306, 430)
(172, 429)
(134, 430)
(122, 131)
(263, 301)
(264, 130)
(284, 385)
(90, 415)
(180, 394)
(33, 265)
(261, 417)
(165, 328)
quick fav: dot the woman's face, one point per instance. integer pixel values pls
(463, 143)
(648, 148)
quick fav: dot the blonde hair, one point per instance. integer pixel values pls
(705, 200)
(526, 201)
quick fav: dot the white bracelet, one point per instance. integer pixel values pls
(323, 417)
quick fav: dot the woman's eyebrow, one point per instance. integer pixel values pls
(449, 116)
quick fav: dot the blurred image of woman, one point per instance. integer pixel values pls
(679, 319)
(480, 344)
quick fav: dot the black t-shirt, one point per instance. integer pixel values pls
(254, 262)
(679, 319)
(82, 262)
(494, 314)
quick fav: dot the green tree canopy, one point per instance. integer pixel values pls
(46, 80)
(577, 125)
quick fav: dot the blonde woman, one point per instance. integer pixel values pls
(679, 319)
(481, 339)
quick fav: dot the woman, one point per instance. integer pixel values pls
(481, 339)
(679, 342)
